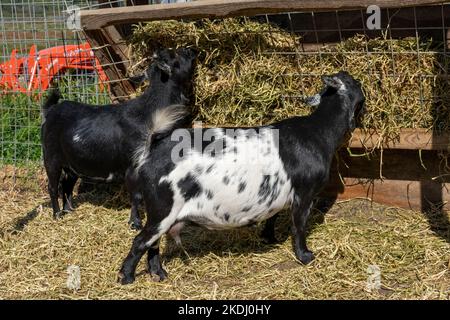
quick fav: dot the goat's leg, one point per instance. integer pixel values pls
(53, 175)
(135, 221)
(268, 232)
(147, 239)
(68, 183)
(300, 213)
(154, 263)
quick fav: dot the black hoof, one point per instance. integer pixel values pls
(122, 279)
(68, 208)
(136, 225)
(306, 257)
(58, 215)
(159, 275)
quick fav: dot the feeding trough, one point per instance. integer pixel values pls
(399, 155)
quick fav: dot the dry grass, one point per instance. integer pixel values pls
(414, 262)
(240, 83)
(245, 77)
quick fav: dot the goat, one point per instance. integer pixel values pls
(98, 142)
(243, 176)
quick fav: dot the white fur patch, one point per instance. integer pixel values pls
(314, 101)
(245, 184)
(76, 138)
(342, 87)
(162, 120)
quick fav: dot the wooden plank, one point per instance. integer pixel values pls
(416, 139)
(448, 38)
(409, 181)
(391, 164)
(96, 19)
(112, 64)
(118, 44)
(415, 195)
(410, 139)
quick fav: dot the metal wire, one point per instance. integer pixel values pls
(24, 23)
(43, 23)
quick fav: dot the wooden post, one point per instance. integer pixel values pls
(110, 49)
(112, 63)
(448, 38)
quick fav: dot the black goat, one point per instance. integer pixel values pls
(98, 142)
(244, 176)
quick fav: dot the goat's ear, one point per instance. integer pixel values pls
(333, 82)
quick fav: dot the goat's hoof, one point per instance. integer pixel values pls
(68, 208)
(135, 225)
(123, 279)
(159, 275)
(58, 215)
(306, 257)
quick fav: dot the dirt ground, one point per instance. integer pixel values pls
(363, 251)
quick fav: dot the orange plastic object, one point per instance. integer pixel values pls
(36, 72)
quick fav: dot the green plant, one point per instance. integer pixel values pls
(20, 117)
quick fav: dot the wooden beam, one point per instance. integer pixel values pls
(96, 19)
(112, 63)
(448, 38)
(414, 195)
(117, 44)
(410, 139)
(409, 181)
(392, 165)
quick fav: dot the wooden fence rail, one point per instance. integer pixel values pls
(96, 19)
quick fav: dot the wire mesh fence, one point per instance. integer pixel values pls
(33, 30)
(403, 63)
(38, 51)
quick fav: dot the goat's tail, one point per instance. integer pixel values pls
(52, 98)
(163, 122)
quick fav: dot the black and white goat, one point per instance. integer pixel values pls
(98, 142)
(243, 176)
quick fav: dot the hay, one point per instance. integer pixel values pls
(240, 83)
(414, 261)
(244, 77)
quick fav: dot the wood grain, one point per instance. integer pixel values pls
(415, 195)
(111, 59)
(410, 139)
(96, 19)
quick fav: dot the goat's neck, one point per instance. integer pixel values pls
(332, 123)
(161, 95)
